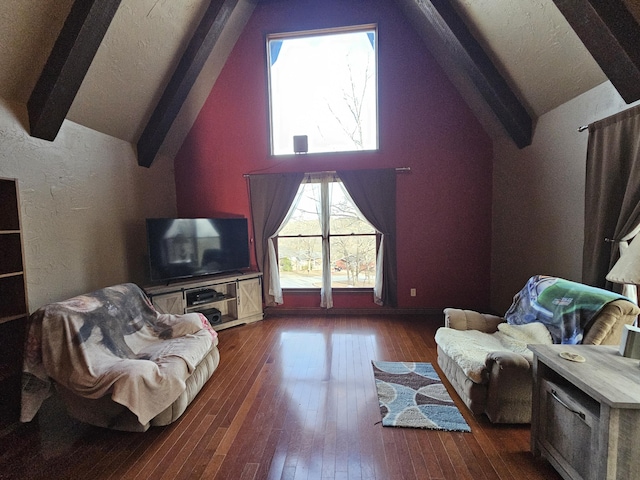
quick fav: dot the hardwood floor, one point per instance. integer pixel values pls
(293, 398)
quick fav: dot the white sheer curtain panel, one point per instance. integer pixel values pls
(275, 288)
(629, 290)
(326, 298)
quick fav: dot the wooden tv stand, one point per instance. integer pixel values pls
(238, 297)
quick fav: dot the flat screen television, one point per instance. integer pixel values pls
(190, 247)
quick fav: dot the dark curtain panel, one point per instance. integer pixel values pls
(612, 200)
(374, 193)
(271, 198)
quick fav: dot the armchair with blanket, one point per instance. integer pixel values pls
(115, 361)
(486, 359)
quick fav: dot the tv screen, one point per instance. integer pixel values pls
(189, 247)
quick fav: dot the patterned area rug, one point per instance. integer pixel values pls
(412, 395)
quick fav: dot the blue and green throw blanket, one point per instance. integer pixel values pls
(564, 307)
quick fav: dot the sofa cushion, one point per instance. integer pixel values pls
(469, 348)
(194, 383)
(474, 395)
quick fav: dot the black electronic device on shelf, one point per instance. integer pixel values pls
(201, 296)
(213, 315)
(205, 295)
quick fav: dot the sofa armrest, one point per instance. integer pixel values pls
(506, 360)
(509, 388)
(469, 320)
(606, 327)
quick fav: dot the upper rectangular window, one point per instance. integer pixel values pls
(323, 85)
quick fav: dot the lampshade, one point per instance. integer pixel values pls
(627, 268)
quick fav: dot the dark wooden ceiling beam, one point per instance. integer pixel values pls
(441, 18)
(201, 44)
(612, 36)
(67, 65)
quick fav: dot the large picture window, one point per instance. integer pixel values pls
(351, 239)
(323, 85)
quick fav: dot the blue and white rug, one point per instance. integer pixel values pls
(411, 394)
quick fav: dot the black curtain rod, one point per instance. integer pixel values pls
(398, 170)
(632, 111)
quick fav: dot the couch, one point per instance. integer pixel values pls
(115, 361)
(486, 359)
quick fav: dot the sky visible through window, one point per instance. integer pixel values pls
(324, 86)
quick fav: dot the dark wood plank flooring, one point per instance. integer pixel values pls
(293, 398)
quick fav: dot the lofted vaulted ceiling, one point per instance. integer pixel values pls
(139, 70)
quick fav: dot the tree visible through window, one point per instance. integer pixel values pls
(323, 84)
(352, 241)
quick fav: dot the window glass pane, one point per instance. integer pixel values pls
(300, 262)
(305, 219)
(324, 85)
(353, 260)
(344, 217)
(352, 241)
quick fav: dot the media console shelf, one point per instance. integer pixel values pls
(237, 297)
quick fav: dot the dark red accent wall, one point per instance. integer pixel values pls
(444, 204)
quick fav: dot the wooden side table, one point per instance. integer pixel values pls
(586, 416)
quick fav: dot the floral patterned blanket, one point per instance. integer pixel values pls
(112, 342)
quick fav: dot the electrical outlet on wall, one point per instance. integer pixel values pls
(413, 292)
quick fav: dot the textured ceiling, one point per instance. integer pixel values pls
(529, 41)
(28, 30)
(134, 63)
(535, 49)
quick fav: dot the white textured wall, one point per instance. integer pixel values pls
(83, 202)
(538, 196)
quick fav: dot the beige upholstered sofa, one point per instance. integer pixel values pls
(115, 361)
(502, 388)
